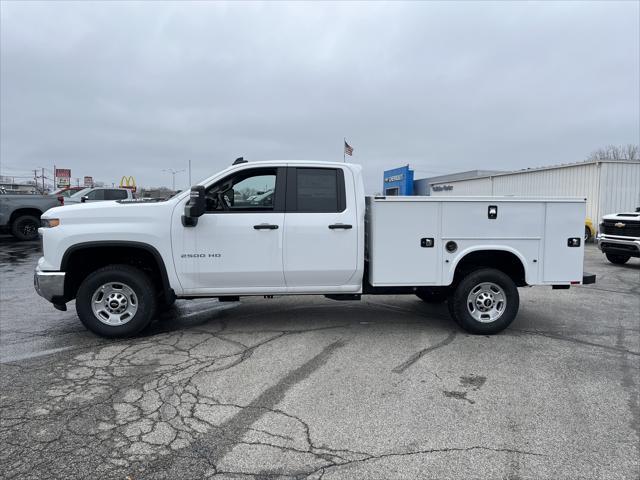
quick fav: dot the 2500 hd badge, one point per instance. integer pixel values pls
(201, 255)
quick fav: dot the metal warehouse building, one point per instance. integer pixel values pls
(609, 186)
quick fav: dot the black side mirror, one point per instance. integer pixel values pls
(195, 208)
(84, 199)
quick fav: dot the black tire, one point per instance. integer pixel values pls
(137, 281)
(460, 311)
(25, 227)
(617, 259)
(587, 234)
(433, 296)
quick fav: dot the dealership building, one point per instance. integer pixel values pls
(609, 186)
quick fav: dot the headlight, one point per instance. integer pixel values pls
(49, 222)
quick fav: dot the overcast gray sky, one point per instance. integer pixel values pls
(112, 89)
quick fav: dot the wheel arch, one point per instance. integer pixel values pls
(19, 212)
(80, 260)
(506, 259)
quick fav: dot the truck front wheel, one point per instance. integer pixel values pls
(617, 259)
(486, 301)
(116, 301)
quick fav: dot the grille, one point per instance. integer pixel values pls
(630, 229)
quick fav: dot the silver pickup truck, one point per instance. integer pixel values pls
(20, 214)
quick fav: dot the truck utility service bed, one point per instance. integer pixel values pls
(407, 237)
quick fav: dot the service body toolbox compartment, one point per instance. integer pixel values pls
(413, 241)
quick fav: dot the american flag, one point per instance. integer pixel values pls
(348, 149)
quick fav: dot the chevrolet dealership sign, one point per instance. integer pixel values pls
(394, 178)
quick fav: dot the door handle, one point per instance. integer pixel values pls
(265, 226)
(343, 226)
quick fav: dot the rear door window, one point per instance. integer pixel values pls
(318, 190)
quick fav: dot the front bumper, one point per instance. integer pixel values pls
(619, 245)
(49, 285)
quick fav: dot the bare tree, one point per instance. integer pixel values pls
(614, 152)
(632, 152)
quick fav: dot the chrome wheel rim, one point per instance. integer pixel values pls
(114, 303)
(486, 302)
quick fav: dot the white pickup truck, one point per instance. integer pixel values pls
(619, 236)
(305, 228)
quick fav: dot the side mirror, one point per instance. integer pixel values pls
(84, 199)
(195, 208)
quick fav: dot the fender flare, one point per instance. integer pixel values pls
(480, 248)
(164, 277)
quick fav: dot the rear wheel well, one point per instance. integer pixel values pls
(80, 262)
(24, 211)
(502, 260)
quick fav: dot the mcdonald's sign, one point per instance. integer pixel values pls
(128, 182)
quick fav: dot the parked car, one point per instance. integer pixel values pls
(66, 191)
(315, 233)
(98, 194)
(20, 214)
(589, 230)
(619, 236)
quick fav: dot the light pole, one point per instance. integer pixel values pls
(173, 172)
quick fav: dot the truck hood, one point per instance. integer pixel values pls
(622, 216)
(108, 211)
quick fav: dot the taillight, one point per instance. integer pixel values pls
(61, 200)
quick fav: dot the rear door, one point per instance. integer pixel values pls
(321, 228)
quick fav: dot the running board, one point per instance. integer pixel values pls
(344, 297)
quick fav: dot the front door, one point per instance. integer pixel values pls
(236, 246)
(321, 228)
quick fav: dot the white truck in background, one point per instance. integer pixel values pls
(619, 236)
(306, 228)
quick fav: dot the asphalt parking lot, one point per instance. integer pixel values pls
(305, 387)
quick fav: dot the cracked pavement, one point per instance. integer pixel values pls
(310, 388)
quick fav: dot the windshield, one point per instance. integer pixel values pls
(81, 193)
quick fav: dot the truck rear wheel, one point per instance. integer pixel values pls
(25, 227)
(617, 259)
(116, 301)
(486, 301)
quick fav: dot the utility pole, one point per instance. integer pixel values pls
(190, 173)
(35, 179)
(173, 176)
(42, 180)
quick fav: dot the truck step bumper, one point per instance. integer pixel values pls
(588, 278)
